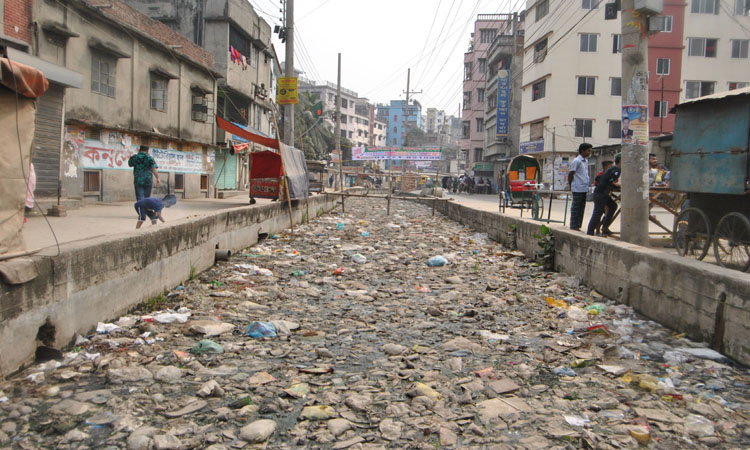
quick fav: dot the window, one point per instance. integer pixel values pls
(590, 4)
(103, 74)
(204, 182)
(542, 9)
(467, 70)
(491, 102)
(615, 129)
(465, 127)
(92, 181)
(253, 56)
(662, 66)
(395, 129)
(395, 117)
(482, 65)
(616, 43)
(467, 100)
(343, 118)
(615, 86)
(477, 154)
(158, 92)
(660, 108)
(702, 47)
(480, 95)
(199, 111)
(536, 131)
(588, 42)
(586, 85)
(394, 141)
(739, 48)
(480, 124)
(179, 182)
(695, 89)
(487, 35)
(538, 90)
(742, 7)
(583, 127)
(359, 132)
(705, 6)
(540, 50)
(667, 23)
(738, 85)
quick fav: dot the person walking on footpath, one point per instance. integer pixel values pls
(578, 179)
(603, 201)
(144, 167)
(151, 207)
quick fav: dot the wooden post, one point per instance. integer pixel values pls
(437, 174)
(390, 188)
(283, 176)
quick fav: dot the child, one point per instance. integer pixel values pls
(151, 207)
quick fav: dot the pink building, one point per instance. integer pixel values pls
(665, 66)
(486, 28)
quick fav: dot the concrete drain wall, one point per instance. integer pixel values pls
(103, 278)
(708, 302)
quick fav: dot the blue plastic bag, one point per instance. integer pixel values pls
(261, 330)
(437, 261)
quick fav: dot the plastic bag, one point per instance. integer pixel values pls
(207, 346)
(261, 330)
(437, 261)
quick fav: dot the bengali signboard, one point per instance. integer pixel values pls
(364, 153)
(96, 154)
(287, 91)
(532, 146)
(503, 102)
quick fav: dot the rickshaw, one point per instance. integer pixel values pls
(524, 176)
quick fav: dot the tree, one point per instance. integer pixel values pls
(312, 134)
(415, 137)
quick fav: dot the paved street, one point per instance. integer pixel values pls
(343, 336)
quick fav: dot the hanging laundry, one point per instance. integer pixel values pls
(244, 62)
(231, 53)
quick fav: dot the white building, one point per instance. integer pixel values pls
(715, 55)
(571, 88)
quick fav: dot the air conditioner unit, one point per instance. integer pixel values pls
(657, 23)
(649, 7)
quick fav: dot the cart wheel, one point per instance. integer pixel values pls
(732, 242)
(538, 208)
(691, 234)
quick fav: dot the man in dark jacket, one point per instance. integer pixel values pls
(603, 201)
(144, 167)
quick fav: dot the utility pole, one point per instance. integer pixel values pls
(338, 135)
(634, 178)
(289, 72)
(406, 109)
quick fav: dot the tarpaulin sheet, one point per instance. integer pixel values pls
(14, 166)
(26, 80)
(295, 167)
(237, 131)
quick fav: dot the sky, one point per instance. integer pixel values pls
(379, 40)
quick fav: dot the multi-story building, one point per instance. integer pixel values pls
(327, 93)
(19, 40)
(502, 116)
(572, 90)
(716, 45)
(433, 120)
(393, 115)
(240, 42)
(372, 132)
(143, 83)
(486, 28)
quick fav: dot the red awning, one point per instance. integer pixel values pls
(237, 131)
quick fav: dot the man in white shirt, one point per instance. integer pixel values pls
(578, 179)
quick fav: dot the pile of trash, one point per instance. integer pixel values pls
(367, 331)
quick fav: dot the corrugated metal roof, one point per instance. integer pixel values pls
(720, 95)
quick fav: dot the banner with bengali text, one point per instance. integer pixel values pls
(396, 153)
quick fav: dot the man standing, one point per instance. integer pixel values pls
(578, 179)
(603, 201)
(144, 167)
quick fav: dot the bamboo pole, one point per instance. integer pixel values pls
(283, 176)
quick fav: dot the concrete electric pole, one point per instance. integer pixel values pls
(289, 72)
(338, 135)
(634, 178)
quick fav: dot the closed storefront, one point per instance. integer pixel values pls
(46, 148)
(225, 170)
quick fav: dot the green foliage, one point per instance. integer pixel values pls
(193, 271)
(312, 134)
(154, 303)
(545, 255)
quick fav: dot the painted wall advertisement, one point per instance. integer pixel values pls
(635, 124)
(558, 168)
(396, 153)
(503, 102)
(113, 149)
